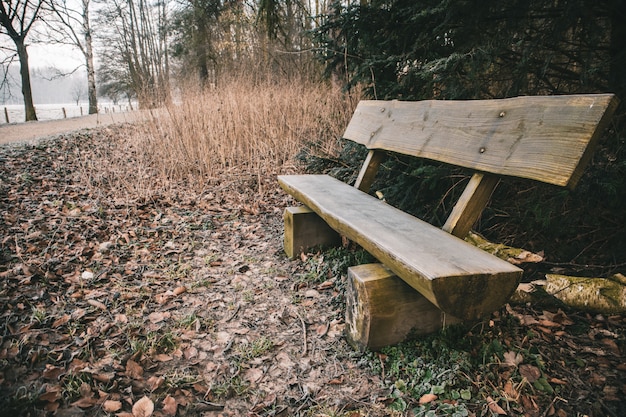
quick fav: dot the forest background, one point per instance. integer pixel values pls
(158, 52)
(237, 92)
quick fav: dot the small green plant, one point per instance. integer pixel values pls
(234, 386)
(189, 321)
(255, 349)
(180, 271)
(71, 385)
(179, 378)
(38, 316)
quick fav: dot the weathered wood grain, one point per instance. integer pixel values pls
(369, 169)
(471, 204)
(545, 138)
(382, 310)
(459, 278)
(304, 229)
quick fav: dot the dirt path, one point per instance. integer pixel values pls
(29, 131)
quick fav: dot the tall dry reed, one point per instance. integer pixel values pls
(242, 133)
(260, 127)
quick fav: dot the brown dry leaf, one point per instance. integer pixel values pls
(180, 290)
(158, 317)
(97, 304)
(513, 359)
(154, 382)
(557, 381)
(163, 357)
(103, 376)
(143, 407)
(85, 402)
(510, 391)
(121, 318)
(52, 394)
(336, 381)
(133, 369)
(427, 398)
(253, 374)
(61, 321)
(170, 406)
(53, 372)
(111, 406)
(322, 329)
(494, 407)
(530, 372)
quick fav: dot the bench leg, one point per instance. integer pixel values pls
(381, 309)
(304, 229)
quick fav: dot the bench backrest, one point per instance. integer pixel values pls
(543, 138)
(546, 138)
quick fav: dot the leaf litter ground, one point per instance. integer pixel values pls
(165, 300)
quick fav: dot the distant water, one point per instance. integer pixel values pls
(55, 111)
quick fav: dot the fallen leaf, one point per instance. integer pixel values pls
(154, 382)
(133, 369)
(111, 406)
(322, 329)
(513, 359)
(170, 406)
(336, 381)
(253, 374)
(143, 407)
(85, 402)
(61, 320)
(530, 372)
(510, 391)
(180, 290)
(158, 317)
(427, 398)
(494, 407)
(53, 372)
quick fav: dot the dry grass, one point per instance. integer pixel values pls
(257, 126)
(250, 129)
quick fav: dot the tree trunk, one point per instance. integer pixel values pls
(617, 76)
(29, 107)
(91, 73)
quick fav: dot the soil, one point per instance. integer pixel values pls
(183, 303)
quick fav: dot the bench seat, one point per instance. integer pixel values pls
(459, 278)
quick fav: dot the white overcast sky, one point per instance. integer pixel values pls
(58, 56)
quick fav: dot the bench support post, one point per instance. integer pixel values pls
(382, 310)
(304, 229)
(471, 204)
(369, 169)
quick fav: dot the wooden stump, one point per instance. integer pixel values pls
(381, 309)
(304, 229)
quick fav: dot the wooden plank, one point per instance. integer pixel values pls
(546, 138)
(382, 310)
(369, 169)
(459, 278)
(471, 204)
(304, 229)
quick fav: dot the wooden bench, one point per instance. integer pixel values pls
(547, 138)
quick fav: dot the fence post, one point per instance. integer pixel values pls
(64, 114)
(6, 115)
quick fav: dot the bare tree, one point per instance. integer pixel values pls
(136, 40)
(71, 26)
(78, 90)
(16, 19)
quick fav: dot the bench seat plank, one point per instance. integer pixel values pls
(459, 278)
